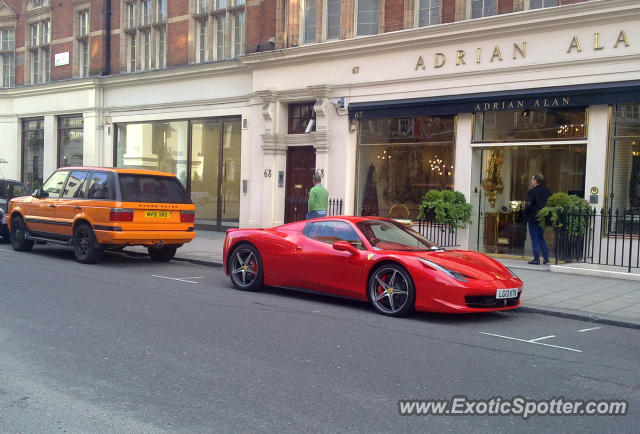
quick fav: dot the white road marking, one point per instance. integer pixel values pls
(180, 279)
(542, 338)
(532, 342)
(7, 250)
(586, 330)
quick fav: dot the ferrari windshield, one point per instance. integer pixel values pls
(387, 235)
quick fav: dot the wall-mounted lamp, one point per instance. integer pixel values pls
(310, 126)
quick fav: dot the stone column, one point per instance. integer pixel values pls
(462, 181)
(50, 158)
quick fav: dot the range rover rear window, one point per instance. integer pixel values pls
(149, 188)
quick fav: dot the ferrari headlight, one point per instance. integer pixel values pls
(452, 273)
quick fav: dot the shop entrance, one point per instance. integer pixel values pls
(506, 172)
(301, 165)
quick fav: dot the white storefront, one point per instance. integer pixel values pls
(558, 58)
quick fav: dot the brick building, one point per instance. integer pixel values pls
(223, 92)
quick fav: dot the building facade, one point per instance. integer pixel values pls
(384, 99)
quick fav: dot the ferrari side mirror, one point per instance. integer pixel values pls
(343, 246)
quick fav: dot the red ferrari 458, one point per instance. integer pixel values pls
(371, 259)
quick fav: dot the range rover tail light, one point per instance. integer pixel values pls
(187, 216)
(120, 215)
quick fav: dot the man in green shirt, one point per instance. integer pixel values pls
(318, 199)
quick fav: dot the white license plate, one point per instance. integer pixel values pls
(507, 293)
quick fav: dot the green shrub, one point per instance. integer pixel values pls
(445, 207)
(566, 211)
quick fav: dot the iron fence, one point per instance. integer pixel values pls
(297, 208)
(444, 235)
(607, 237)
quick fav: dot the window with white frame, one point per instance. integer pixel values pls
(427, 12)
(39, 52)
(367, 14)
(146, 34)
(8, 56)
(331, 19)
(481, 8)
(220, 29)
(82, 43)
(309, 11)
(539, 4)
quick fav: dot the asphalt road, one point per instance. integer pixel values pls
(123, 347)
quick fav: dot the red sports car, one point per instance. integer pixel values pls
(371, 259)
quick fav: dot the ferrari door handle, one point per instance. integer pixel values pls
(298, 249)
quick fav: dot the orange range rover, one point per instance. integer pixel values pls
(94, 209)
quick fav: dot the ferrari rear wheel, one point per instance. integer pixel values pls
(245, 268)
(391, 290)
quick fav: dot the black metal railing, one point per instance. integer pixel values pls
(607, 237)
(296, 208)
(444, 235)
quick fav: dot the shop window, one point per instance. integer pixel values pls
(32, 153)
(481, 8)
(427, 12)
(530, 125)
(624, 159)
(399, 160)
(8, 56)
(539, 4)
(367, 15)
(299, 117)
(70, 141)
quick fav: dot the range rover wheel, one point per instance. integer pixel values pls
(85, 246)
(162, 254)
(245, 268)
(18, 234)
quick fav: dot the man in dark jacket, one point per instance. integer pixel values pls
(536, 200)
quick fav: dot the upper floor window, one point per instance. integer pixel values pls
(367, 14)
(39, 52)
(82, 44)
(308, 20)
(481, 8)
(299, 117)
(146, 33)
(332, 22)
(539, 4)
(427, 12)
(220, 29)
(7, 56)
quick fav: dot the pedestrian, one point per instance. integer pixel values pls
(536, 200)
(318, 199)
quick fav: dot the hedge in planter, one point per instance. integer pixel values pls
(445, 207)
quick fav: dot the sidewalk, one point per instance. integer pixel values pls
(576, 295)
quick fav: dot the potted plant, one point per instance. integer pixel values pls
(445, 207)
(569, 216)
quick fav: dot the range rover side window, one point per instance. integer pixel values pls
(100, 186)
(73, 189)
(54, 184)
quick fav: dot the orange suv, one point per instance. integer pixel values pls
(95, 208)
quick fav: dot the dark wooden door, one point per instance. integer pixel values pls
(301, 165)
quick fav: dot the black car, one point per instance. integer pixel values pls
(8, 190)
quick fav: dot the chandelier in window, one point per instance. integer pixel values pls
(439, 167)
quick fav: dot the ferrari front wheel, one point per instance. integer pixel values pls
(391, 290)
(245, 268)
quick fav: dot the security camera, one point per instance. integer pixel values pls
(309, 126)
(338, 102)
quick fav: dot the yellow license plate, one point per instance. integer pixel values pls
(157, 214)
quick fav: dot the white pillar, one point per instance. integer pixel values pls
(91, 151)
(462, 181)
(595, 172)
(50, 158)
(10, 148)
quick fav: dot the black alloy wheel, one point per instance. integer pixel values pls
(245, 268)
(85, 246)
(18, 235)
(391, 290)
